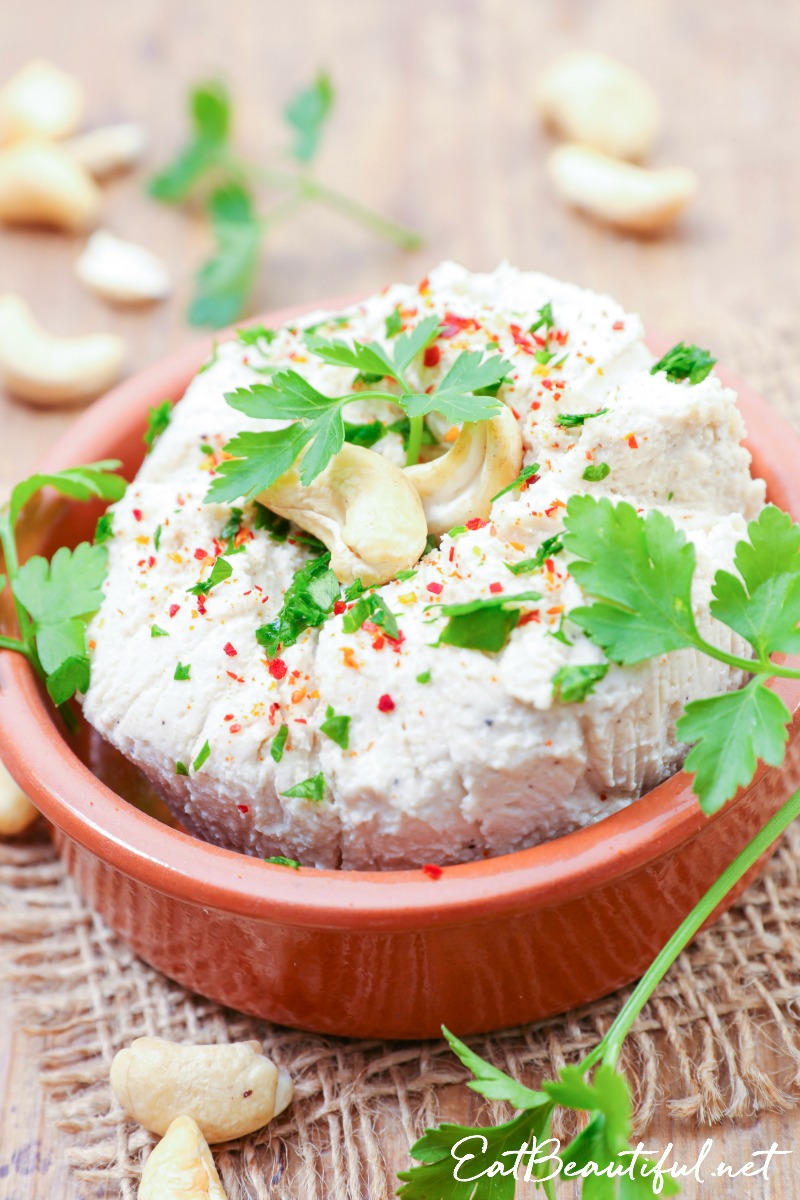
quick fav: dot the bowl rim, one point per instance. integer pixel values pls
(196, 872)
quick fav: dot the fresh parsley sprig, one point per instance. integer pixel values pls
(639, 570)
(208, 169)
(467, 392)
(600, 1155)
(685, 362)
(54, 600)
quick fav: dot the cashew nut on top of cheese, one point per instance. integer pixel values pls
(452, 754)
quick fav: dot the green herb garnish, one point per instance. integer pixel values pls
(424, 677)
(309, 599)
(595, 472)
(337, 728)
(525, 474)
(157, 538)
(181, 768)
(685, 362)
(158, 418)
(278, 860)
(202, 757)
(371, 608)
(220, 571)
(279, 743)
(104, 530)
(394, 323)
(484, 624)
(544, 318)
(573, 684)
(231, 528)
(309, 789)
(182, 671)
(549, 547)
(277, 527)
(573, 420)
(157, 631)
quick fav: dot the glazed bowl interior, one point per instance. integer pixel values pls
(94, 816)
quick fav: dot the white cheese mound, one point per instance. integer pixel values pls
(477, 759)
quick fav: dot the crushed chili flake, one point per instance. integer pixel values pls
(243, 808)
(277, 668)
(476, 523)
(137, 514)
(233, 675)
(618, 325)
(228, 717)
(529, 616)
(453, 324)
(547, 383)
(432, 356)
(521, 339)
(555, 610)
(551, 566)
(495, 587)
(298, 695)
(452, 553)
(201, 605)
(349, 657)
(432, 871)
(385, 703)
(173, 609)
(379, 642)
(151, 562)
(339, 607)
(273, 709)
(424, 286)
(436, 588)
(229, 650)
(236, 729)
(535, 405)
(632, 442)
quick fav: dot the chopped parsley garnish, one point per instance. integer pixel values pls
(231, 528)
(483, 624)
(405, 575)
(277, 527)
(182, 671)
(181, 768)
(256, 335)
(573, 684)
(525, 474)
(544, 318)
(158, 419)
(104, 530)
(309, 789)
(157, 631)
(543, 357)
(318, 427)
(202, 757)
(424, 677)
(549, 547)
(685, 362)
(394, 323)
(365, 435)
(279, 743)
(221, 571)
(573, 420)
(309, 599)
(278, 860)
(595, 472)
(206, 449)
(157, 538)
(373, 608)
(337, 728)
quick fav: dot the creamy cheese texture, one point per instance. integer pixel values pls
(453, 754)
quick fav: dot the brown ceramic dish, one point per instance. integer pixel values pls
(487, 945)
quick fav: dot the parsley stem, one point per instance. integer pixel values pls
(414, 440)
(7, 643)
(8, 542)
(611, 1044)
(753, 666)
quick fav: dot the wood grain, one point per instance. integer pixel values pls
(433, 125)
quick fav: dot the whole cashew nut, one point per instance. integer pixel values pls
(485, 457)
(40, 101)
(41, 184)
(593, 99)
(122, 272)
(108, 149)
(620, 193)
(53, 370)
(16, 810)
(181, 1167)
(363, 508)
(229, 1090)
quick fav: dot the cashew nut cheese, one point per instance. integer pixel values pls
(450, 754)
(631, 197)
(16, 811)
(229, 1090)
(181, 1167)
(52, 370)
(595, 100)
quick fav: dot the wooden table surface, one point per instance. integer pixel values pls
(433, 125)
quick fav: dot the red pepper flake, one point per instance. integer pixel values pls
(522, 339)
(151, 562)
(476, 523)
(535, 405)
(233, 675)
(228, 717)
(137, 514)
(236, 729)
(201, 605)
(424, 286)
(200, 554)
(452, 553)
(378, 643)
(432, 356)
(547, 383)
(632, 442)
(436, 588)
(453, 325)
(618, 325)
(339, 607)
(273, 709)
(554, 507)
(218, 548)
(243, 808)
(277, 668)
(386, 703)
(495, 588)
(229, 650)
(244, 535)
(432, 871)
(527, 617)
(551, 566)
(173, 609)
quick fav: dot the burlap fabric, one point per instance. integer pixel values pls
(719, 1038)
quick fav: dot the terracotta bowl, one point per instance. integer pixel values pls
(395, 954)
